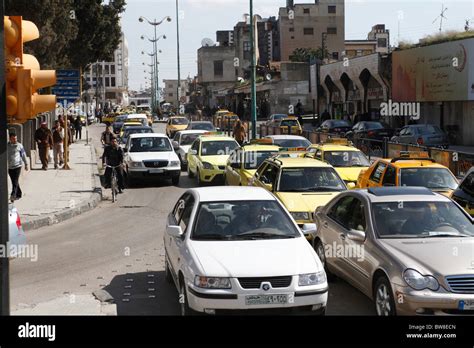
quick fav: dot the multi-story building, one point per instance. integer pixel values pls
(312, 26)
(378, 40)
(169, 94)
(108, 81)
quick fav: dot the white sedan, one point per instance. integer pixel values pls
(237, 248)
(182, 142)
(150, 156)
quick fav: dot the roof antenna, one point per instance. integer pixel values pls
(441, 17)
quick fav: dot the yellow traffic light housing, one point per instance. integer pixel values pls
(23, 74)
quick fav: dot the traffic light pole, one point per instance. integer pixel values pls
(4, 263)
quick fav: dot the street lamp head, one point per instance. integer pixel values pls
(142, 37)
(143, 52)
(160, 51)
(164, 37)
(168, 19)
(140, 19)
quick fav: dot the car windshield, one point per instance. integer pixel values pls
(290, 123)
(346, 159)
(468, 184)
(253, 159)
(279, 117)
(433, 178)
(374, 125)
(188, 139)
(202, 126)
(421, 220)
(292, 143)
(214, 148)
(310, 179)
(243, 220)
(137, 131)
(181, 121)
(120, 119)
(151, 144)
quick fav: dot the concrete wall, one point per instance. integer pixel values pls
(206, 58)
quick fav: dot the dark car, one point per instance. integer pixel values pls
(422, 134)
(370, 130)
(335, 126)
(118, 123)
(201, 125)
(464, 195)
(135, 130)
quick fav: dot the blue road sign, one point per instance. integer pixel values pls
(68, 85)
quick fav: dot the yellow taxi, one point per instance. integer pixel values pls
(128, 125)
(243, 162)
(348, 160)
(176, 124)
(109, 118)
(208, 155)
(409, 169)
(302, 184)
(218, 116)
(290, 126)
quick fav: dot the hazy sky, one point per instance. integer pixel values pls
(201, 18)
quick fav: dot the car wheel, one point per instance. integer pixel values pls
(319, 248)
(183, 300)
(175, 180)
(383, 297)
(190, 173)
(198, 178)
(168, 276)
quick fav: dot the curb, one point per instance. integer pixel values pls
(66, 214)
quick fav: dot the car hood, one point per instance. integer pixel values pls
(219, 160)
(350, 174)
(178, 127)
(437, 256)
(144, 156)
(256, 258)
(305, 202)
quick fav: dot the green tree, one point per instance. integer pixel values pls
(305, 54)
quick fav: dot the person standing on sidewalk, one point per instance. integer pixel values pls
(16, 158)
(239, 132)
(78, 127)
(58, 144)
(44, 139)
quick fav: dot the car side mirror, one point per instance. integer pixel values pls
(192, 152)
(174, 231)
(309, 229)
(175, 145)
(356, 235)
(351, 185)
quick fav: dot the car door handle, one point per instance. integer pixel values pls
(342, 236)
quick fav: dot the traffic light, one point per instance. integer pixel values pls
(23, 74)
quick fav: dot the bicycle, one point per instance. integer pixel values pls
(114, 182)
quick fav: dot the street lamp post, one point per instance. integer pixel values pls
(178, 54)
(253, 96)
(154, 56)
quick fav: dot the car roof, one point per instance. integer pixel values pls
(142, 127)
(232, 193)
(215, 138)
(257, 147)
(200, 122)
(413, 163)
(401, 194)
(192, 131)
(291, 137)
(136, 116)
(148, 135)
(297, 162)
(334, 147)
(178, 116)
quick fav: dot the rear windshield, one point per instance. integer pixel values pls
(179, 121)
(429, 129)
(288, 123)
(374, 125)
(292, 142)
(433, 178)
(339, 123)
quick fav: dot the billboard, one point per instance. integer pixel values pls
(441, 72)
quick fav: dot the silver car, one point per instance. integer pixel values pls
(17, 236)
(422, 134)
(409, 249)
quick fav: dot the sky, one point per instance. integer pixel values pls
(199, 19)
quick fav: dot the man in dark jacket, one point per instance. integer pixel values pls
(113, 156)
(44, 140)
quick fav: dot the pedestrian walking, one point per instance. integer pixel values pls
(239, 132)
(78, 127)
(107, 136)
(44, 140)
(58, 144)
(16, 158)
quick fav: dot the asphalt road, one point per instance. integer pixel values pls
(119, 247)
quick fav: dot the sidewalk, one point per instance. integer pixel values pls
(52, 196)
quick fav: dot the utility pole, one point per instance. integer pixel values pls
(4, 262)
(253, 96)
(179, 64)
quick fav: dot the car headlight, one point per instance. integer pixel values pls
(136, 164)
(174, 164)
(312, 279)
(300, 216)
(207, 165)
(212, 282)
(417, 281)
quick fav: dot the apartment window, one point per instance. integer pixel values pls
(218, 68)
(107, 82)
(335, 55)
(112, 82)
(106, 69)
(332, 30)
(332, 9)
(112, 69)
(359, 52)
(306, 11)
(382, 42)
(292, 37)
(170, 94)
(292, 30)
(246, 46)
(308, 31)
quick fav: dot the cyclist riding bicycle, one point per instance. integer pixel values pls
(113, 157)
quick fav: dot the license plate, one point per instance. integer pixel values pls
(466, 305)
(157, 171)
(265, 299)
